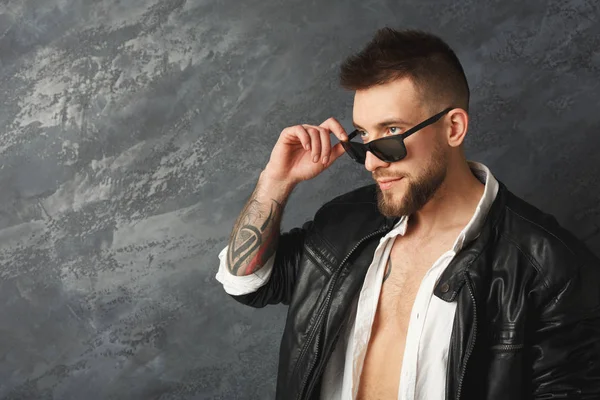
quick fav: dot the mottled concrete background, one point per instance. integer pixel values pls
(132, 132)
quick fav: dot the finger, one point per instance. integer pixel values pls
(315, 144)
(301, 134)
(334, 126)
(315, 141)
(336, 152)
(325, 145)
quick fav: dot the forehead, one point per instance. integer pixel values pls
(396, 99)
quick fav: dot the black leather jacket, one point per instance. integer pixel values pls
(527, 321)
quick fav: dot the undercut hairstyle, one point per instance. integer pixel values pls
(430, 64)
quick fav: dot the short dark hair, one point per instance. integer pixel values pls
(422, 57)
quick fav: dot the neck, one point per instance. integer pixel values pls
(452, 206)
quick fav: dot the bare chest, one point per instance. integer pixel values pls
(404, 272)
(406, 268)
(409, 261)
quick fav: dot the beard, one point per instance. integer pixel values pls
(420, 189)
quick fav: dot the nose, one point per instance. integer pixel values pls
(372, 162)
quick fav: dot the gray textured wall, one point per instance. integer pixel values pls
(132, 132)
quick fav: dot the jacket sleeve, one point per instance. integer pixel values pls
(282, 280)
(566, 346)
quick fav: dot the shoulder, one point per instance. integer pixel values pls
(345, 219)
(555, 252)
(357, 204)
(361, 195)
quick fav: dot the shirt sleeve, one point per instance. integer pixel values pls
(238, 285)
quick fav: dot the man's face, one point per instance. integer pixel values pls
(423, 170)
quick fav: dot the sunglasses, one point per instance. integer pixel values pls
(388, 149)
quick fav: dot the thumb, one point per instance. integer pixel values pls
(336, 152)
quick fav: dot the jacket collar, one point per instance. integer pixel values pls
(453, 277)
(389, 222)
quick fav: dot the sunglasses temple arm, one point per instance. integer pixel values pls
(423, 124)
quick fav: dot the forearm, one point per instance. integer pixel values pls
(255, 235)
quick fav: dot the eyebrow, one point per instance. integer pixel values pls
(384, 123)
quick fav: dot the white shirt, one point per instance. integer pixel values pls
(423, 372)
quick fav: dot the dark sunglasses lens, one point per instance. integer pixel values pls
(355, 150)
(389, 150)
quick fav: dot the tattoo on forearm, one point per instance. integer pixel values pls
(249, 236)
(389, 269)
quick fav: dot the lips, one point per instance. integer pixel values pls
(387, 183)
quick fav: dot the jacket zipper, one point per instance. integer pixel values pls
(472, 344)
(508, 347)
(333, 344)
(322, 313)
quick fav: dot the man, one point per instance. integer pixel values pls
(436, 282)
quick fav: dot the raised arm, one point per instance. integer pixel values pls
(255, 235)
(301, 153)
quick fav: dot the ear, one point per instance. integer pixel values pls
(457, 127)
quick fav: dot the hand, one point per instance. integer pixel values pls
(293, 157)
